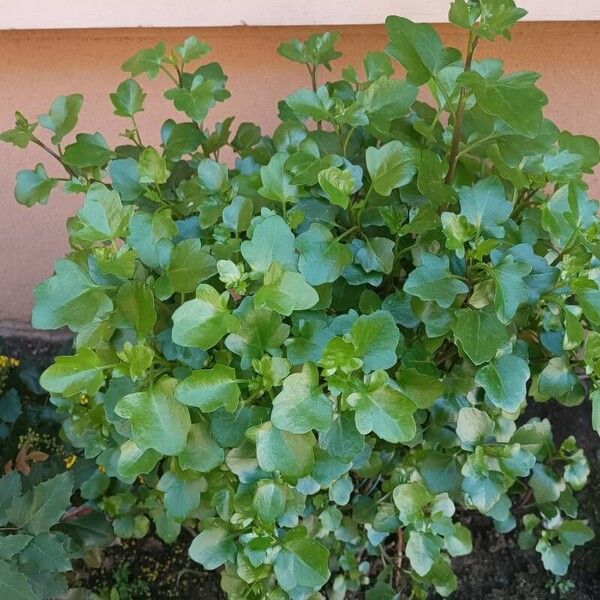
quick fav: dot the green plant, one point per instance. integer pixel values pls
(315, 355)
(33, 555)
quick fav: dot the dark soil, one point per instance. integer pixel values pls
(497, 569)
(148, 569)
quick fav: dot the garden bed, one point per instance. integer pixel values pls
(497, 569)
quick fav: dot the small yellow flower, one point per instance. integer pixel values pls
(15, 362)
(102, 468)
(83, 399)
(70, 461)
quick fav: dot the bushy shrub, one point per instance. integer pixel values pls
(315, 352)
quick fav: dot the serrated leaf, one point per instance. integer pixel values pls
(41, 508)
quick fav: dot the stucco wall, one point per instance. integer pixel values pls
(40, 65)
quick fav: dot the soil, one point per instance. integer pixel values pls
(497, 569)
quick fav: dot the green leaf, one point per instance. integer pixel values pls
(34, 187)
(46, 552)
(13, 584)
(128, 99)
(181, 496)
(511, 289)
(213, 547)
(82, 373)
(391, 166)
(210, 389)
(103, 216)
(201, 452)
(317, 50)
(153, 167)
(301, 562)
(575, 533)
(322, 259)
(383, 410)
(485, 206)
(269, 501)
(306, 103)
(260, 331)
(276, 182)
(338, 184)
(133, 461)
(556, 379)
(375, 338)
(473, 426)
(342, 440)
(189, 265)
(125, 176)
(212, 176)
(22, 134)
(146, 231)
(42, 507)
(192, 49)
(68, 298)
(386, 100)
(421, 388)
(432, 280)
(203, 321)
(285, 292)
(289, 453)
(410, 499)
(203, 93)
(10, 488)
(146, 61)
(546, 484)
(89, 150)
(272, 241)
(301, 406)
(422, 551)
(180, 138)
(480, 333)
(595, 398)
(157, 420)
(134, 305)
(513, 98)
(458, 231)
(417, 47)
(505, 382)
(62, 116)
(12, 544)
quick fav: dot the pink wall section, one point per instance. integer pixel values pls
(40, 65)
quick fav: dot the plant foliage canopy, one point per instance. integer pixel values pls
(315, 352)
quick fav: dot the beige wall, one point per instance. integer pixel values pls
(37, 66)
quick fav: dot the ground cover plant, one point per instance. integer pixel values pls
(42, 533)
(313, 355)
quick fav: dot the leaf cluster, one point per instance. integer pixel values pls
(316, 352)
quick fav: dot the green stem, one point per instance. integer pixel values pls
(350, 133)
(170, 75)
(470, 147)
(460, 110)
(53, 154)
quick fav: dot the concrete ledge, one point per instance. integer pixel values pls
(86, 14)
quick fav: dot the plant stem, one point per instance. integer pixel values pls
(460, 110)
(51, 152)
(345, 148)
(170, 75)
